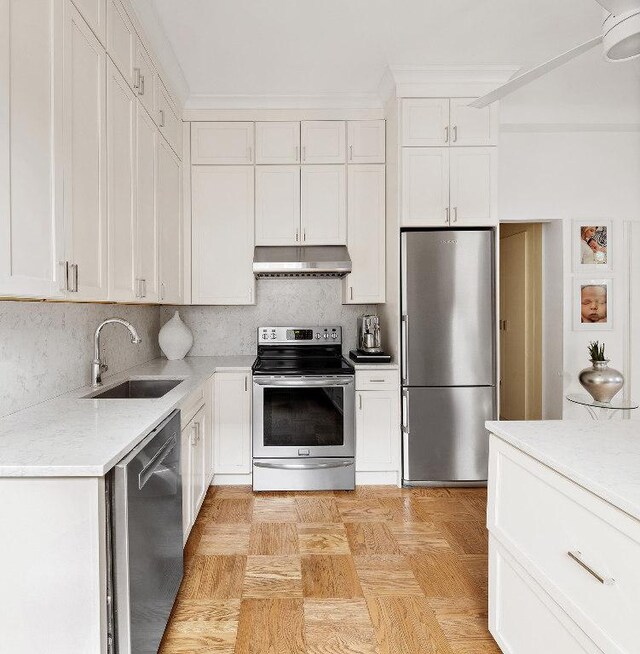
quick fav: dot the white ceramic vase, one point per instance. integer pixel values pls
(175, 338)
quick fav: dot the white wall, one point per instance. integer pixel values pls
(228, 330)
(547, 173)
(46, 348)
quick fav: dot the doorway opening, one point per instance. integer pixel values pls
(521, 320)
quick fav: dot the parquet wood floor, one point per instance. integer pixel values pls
(379, 570)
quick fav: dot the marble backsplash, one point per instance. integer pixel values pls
(46, 347)
(231, 330)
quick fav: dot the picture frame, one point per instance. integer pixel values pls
(593, 304)
(591, 242)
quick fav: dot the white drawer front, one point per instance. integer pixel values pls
(523, 618)
(543, 517)
(377, 380)
(191, 406)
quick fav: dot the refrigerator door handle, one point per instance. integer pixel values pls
(405, 347)
(405, 411)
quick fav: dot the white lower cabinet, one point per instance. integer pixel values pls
(563, 573)
(378, 422)
(232, 423)
(222, 235)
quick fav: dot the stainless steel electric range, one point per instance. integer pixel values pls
(303, 411)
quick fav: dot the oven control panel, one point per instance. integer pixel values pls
(299, 335)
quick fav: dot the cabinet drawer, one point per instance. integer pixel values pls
(192, 405)
(545, 520)
(377, 380)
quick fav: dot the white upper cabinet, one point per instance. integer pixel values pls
(425, 187)
(121, 39)
(121, 202)
(366, 235)
(470, 126)
(147, 252)
(324, 205)
(167, 118)
(277, 142)
(323, 141)
(95, 14)
(85, 216)
(425, 122)
(366, 141)
(30, 180)
(474, 186)
(169, 215)
(144, 78)
(222, 208)
(277, 205)
(222, 143)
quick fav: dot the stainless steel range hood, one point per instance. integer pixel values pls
(307, 261)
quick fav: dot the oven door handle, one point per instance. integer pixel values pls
(303, 466)
(292, 383)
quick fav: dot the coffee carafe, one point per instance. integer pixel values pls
(369, 334)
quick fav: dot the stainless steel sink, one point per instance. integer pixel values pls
(135, 389)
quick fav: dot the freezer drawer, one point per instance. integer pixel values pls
(444, 438)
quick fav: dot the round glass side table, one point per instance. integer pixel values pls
(601, 410)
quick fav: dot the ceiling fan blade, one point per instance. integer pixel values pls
(617, 7)
(533, 73)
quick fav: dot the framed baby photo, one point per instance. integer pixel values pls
(593, 304)
(591, 239)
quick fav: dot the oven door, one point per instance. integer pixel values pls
(296, 417)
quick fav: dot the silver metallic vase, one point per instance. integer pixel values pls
(600, 381)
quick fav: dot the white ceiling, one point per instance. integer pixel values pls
(342, 47)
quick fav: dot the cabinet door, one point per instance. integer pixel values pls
(425, 122)
(366, 235)
(186, 450)
(169, 212)
(85, 215)
(121, 201)
(121, 39)
(147, 273)
(323, 141)
(30, 181)
(168, 122)
(94, 13)
(277, 205)
(377, 430)
(470, 126)
(232, 426)
(208, 431)
(324, 206)
(222, 234)
(366, 141)
(425, 187)
(145, 78)
(198, 462)
(278, 143)
(221, 143)
(474, 186)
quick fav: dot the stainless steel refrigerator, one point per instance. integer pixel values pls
(448, 354)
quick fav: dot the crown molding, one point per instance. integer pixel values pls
(321, 101)
(407, 81)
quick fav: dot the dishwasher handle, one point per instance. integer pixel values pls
(147, 472)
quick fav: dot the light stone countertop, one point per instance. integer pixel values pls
(69, 436)
(601, 456)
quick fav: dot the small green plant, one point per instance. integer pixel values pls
(596, 351)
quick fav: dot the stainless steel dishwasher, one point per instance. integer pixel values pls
(145, 540)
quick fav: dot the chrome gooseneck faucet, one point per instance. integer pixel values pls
(97, 366)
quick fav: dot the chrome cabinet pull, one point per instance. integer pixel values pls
(144, 287)
(351, 153)
(351, 292)
(136, 78)
(577, 557)
(74, 286)
(446, 215)
(162, 290)
(161, 118)
(446, 134)
(250, 153)
(455, 214)
(245, 384)
(360, 401)
(141, 85)
(66, 276)
(455, 133)
(377, 381)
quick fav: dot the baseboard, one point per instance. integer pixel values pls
(232, 480)
(378, 478)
